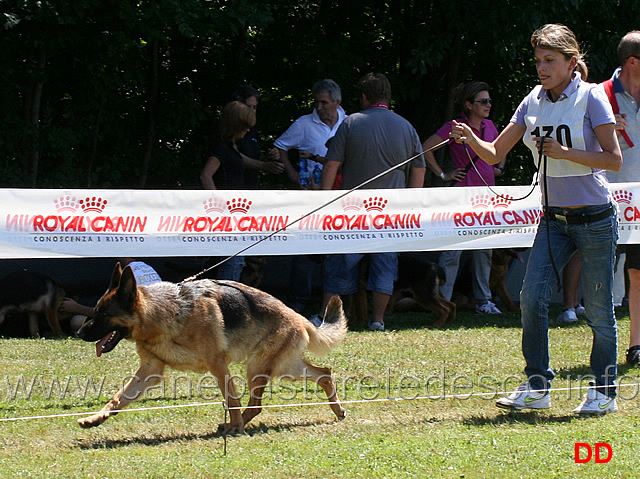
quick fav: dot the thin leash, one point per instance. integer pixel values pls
(547, 218)
(533, 185)
(315, 210)
(542, 164)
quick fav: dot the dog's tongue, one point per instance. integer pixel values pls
(101, 343)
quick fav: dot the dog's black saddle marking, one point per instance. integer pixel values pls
(236, 306)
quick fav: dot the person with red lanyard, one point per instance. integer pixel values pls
(468, 170)
(623, 90)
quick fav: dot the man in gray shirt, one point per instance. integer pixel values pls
(367, 144)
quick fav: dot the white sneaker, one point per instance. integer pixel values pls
(580, 310)
(525, 398)
(596, 403)
(487, 308)
(376, 326)
(567, 316)
(316, 320)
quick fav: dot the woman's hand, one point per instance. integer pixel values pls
(272, 167)
(551, 147)
(457, 174)
(69, 306)
(460, 132)
(273, 154)
(621, 123)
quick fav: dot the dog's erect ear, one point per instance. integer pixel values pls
(115, 277)
(127, 288)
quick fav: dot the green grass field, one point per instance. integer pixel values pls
(452, 430)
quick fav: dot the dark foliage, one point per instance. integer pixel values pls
(112, 94)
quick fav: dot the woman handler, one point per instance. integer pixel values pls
(570, 122)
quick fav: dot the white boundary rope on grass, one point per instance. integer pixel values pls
(138, 409)
(321, 403)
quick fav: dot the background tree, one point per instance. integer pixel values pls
(112, 94)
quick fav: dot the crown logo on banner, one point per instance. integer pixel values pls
(481, 201)
(623, 196)
(351, 204)
(66, 204)
(211, 205)
(375, 203)
(239, 205)
(501, 201)
(93, 204)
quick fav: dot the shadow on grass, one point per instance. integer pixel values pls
(519, 417)
(160, 439)
(583, 373)
(467, 319)
(464, 320)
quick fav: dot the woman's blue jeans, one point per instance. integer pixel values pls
(596, 243)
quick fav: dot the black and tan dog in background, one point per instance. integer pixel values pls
(501, 261)
(31, 295)
(203, 326)
(417, 288)
(418, 284)
(500, 265)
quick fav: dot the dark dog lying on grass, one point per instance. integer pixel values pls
(24, 294)
(420, 280)
(501, 261)
(416, 289)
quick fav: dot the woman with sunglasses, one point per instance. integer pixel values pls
(475, 101)
(570, 128)
(468, 170)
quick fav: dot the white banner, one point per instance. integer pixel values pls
(145, 223)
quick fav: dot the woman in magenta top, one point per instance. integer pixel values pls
(475, 101)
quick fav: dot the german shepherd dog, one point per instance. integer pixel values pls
(421, 280)
(417, 288)
(203, 326)
(500, 264)
(32, 294)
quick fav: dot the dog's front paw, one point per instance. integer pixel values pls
(92, 421)
(229, 429)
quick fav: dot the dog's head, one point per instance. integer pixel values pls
(114, 313)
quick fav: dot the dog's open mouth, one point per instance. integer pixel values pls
(109, 342)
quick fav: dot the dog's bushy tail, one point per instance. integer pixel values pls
(331, 332)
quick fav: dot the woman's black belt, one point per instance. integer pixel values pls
(580, 219)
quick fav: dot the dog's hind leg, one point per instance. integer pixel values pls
(34, 331)
(322, 377)
(220, 371)
(52, 319)
(452, 310)
(51, 311)
(148, 374)
(258, 382)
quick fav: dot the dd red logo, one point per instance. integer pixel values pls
(589, 452)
